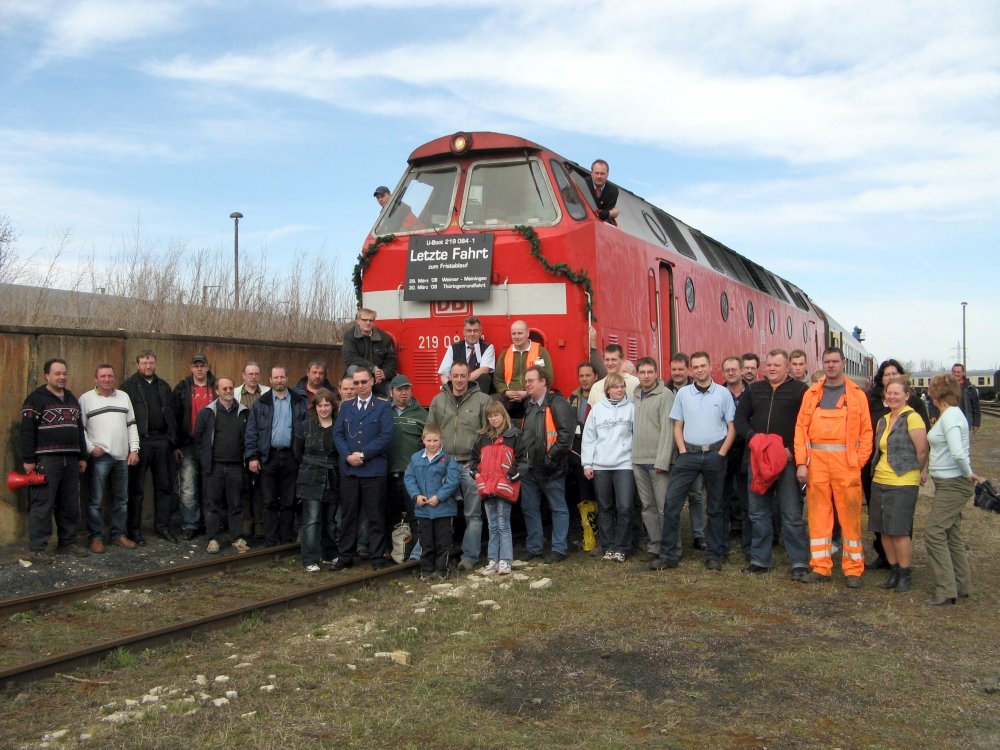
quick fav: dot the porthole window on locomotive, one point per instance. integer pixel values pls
(750, 313)
(772, 320)
(725, 306)
(789, 328)
(689, 293)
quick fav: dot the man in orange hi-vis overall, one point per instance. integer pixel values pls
(833, 440)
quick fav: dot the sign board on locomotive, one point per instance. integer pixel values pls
(449, 267)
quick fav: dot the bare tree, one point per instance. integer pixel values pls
(11, 266)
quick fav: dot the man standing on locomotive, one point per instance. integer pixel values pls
(365, 345)
(605, 193)
(508, 380)
(474, 351)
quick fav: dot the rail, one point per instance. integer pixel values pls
(42, 668)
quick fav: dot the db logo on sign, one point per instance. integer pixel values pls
(443, 309)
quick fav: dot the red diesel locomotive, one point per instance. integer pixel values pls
(499, 227)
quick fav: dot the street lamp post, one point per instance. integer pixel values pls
(236, 216)
(964, 364)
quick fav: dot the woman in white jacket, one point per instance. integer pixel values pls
(607, 459)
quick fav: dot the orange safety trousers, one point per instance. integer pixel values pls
(832, 483)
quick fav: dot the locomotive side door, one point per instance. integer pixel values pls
(664, 307)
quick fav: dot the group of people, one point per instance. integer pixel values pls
(337, 467)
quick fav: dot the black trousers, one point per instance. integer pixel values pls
(435, 544)
(361, 496)
(253, 505)
(59, 496)
(277, 479)
(224, 496)
(154, 455)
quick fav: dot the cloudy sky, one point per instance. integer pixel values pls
(852, 147)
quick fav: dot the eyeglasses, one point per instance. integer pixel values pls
(362, 382)
(367, 320)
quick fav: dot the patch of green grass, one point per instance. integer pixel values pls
(22, 618)
(121, 658)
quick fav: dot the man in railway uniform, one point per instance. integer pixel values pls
(605, 193)
(577, 485)
(220, 434)
(191, 395)
(473, 350)
(735, 498)
(253, 495)
(548, 436)
(275, 420)
(771, 407)
(156, 420)
(53, 443)
(460, 411)
(797, 366)
(371, 347)
(703, 415)
(614, 361)
(751, 365)
(833, 440)
(652, 450)
(508, 380)
(363, 435)
(113, 444)
(680, 376)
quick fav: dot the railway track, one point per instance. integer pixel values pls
(160, 577)
(23, 673)
(990, 410)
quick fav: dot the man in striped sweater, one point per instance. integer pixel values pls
(53, 443)
(112, 441)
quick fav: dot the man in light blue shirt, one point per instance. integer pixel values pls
(703, 414)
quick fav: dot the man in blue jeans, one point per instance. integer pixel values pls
(549, 424)
(703, 415)
(770, 407)
(113, 444)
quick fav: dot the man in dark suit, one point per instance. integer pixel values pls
(605, 193)
(363, 434)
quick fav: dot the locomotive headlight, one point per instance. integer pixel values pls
(460, 143)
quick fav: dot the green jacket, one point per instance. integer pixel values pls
(460, 419)
(407, 427)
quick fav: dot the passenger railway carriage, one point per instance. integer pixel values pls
(499, 227)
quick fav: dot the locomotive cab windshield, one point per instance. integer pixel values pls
(423, 203)
(508, 193)
(497, 194)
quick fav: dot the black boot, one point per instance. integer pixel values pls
(893, 578)
(905, 578)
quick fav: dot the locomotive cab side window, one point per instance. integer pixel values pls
(506, 194)
(570, 197)
(423, 203)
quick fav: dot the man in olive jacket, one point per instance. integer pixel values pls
(460, 411)
(408, 420)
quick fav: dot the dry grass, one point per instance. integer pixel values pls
(610, 657)
(182, 291)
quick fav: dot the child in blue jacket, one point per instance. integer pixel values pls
(432, 479)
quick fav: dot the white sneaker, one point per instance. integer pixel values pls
(491, 568)
(503, 568)
(618, 557)
(241, 546)
(213, 547)
(608, 556)
(312, 568)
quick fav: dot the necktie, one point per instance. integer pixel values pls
(472, 359)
